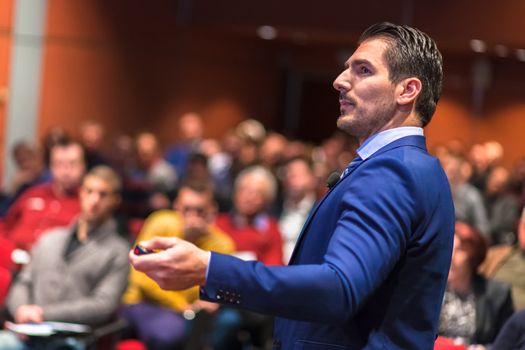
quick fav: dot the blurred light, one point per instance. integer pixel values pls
(501, 50)
(478, 45)
(267, 32)
(520, 54)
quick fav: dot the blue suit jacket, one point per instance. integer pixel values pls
(371, 264)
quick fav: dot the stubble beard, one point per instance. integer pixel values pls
(364, 125)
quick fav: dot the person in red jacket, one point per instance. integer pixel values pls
(48, 205)
(256, 234)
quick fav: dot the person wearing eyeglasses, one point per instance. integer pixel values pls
(159, 317)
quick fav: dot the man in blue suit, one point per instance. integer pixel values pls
(370, 266)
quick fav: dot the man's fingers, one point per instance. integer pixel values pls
(160, 243)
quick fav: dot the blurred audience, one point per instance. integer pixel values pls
(30, 170)
(77, 274)
(474, 308)
(256, 234)
(468, 201)
(47, 205)
(271, 152)
(507, 263)
(151, 185)
(157, 316)
(220, 171)
(191, 129)
(255, 176)
(299, 198)
(159, 174)
(92, 137)
(54, 135)
(503, 207)
(244, 145)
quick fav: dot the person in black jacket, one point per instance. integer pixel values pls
(474, 308)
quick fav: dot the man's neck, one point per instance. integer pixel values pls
(398, 121)
(85, 227)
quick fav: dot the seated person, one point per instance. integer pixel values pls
(154, 315)
(299, 199)
(474, 308)
(77, 274)
(30, 170)
(47, 205)
(506, 263)
(257, 237)
(256, 234)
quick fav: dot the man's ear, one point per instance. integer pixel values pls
(408, 91)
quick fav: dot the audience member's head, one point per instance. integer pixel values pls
(470, 249)
(478, 157)
(457, 168)
(55, 135)
(498, 181)
(27, 157)
(67, 165)
(148, 149)
(494, 152)
(99, 194)
(92, 135)
(190, 127)
(254, 190)
(196, 204)
(299, 178)
(271, 152)
(198, 167)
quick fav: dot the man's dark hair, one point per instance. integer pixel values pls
(412, 53)
(199, 186)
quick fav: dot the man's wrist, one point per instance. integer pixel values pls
(206, 261)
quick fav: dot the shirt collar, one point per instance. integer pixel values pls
(375, 142)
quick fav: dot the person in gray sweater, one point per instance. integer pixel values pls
(76, 274)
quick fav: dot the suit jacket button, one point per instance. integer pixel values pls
(276, 344)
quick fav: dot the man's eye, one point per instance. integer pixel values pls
(365, 70)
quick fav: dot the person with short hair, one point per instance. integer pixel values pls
(48, 205)
(154, 315)
(77, 274)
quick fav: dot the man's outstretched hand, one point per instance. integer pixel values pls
(175, 265)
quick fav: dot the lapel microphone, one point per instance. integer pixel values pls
(332, 179)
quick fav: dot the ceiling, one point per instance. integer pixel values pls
(339, 22)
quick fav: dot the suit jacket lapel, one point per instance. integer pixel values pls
(314, 210)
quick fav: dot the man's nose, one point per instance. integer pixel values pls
(341, 83)
(94, 197)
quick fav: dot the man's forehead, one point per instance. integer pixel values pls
(186, 193)
(371, 50)
(94, 182)
(74, 150)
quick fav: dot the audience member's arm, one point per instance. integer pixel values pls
(20, 291)
(103, 301)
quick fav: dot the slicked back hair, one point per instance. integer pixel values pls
(412, 53)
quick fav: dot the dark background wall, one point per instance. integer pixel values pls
(138, 65)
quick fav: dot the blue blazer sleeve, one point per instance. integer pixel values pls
(375, 215)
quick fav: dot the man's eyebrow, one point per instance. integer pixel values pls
(359, 61)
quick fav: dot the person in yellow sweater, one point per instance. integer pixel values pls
(159, 317)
